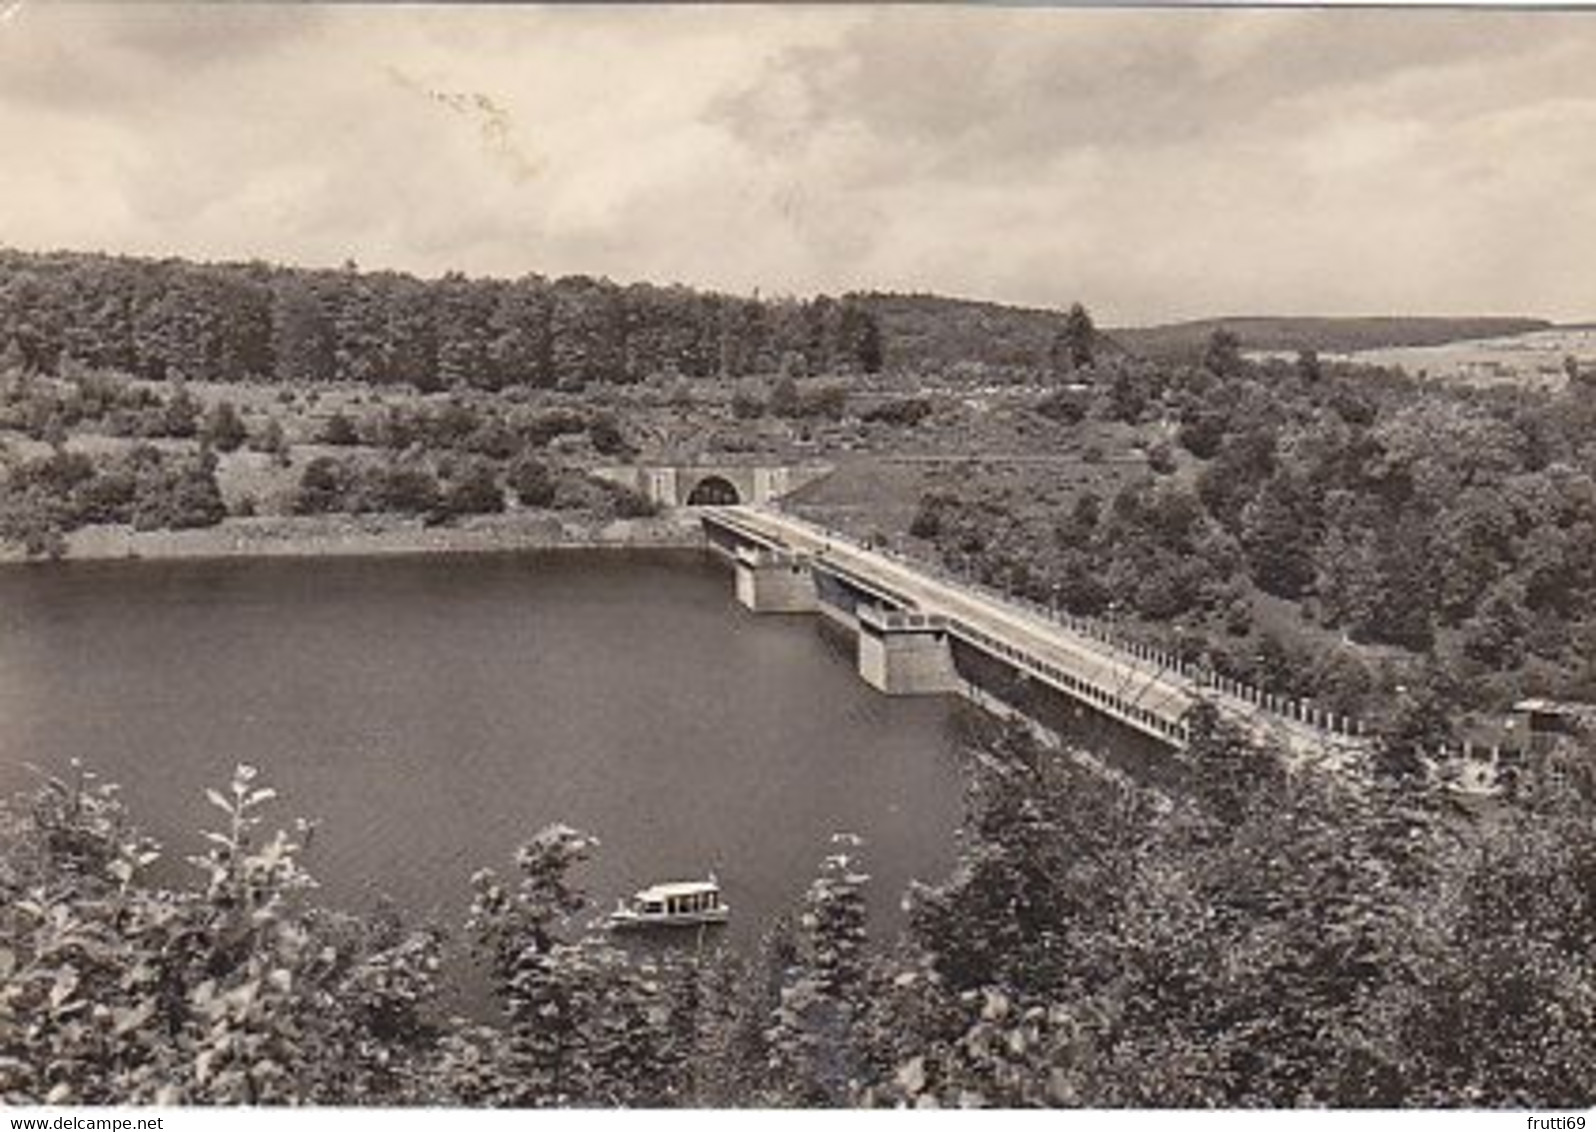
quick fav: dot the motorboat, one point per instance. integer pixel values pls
(671, 904)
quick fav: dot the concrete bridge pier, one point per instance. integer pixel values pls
(775, 581)
(905, 654)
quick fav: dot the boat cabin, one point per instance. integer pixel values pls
(678, 899)
(676, 902)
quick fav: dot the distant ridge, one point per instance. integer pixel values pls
(927, 331)
(1335, 335)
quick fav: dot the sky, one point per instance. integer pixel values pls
(1153, 164)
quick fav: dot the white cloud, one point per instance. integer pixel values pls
(1153, 163)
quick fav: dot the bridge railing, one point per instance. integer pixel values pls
(903, 619)
(1111, 701)
(1296, 712)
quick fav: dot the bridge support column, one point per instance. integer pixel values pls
(905, 654)
(775, 581)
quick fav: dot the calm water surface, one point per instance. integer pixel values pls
(432, 713)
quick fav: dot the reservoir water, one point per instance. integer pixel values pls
(432, 713)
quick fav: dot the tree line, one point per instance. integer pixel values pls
(170, 319)
(1455, 524)
(144, 487)
(1253, 937)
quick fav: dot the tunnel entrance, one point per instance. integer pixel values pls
(713, 491)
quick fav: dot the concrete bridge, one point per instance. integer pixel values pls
(918, 634)
(709, 485)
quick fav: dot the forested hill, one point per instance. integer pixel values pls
(932, 332)
(1326, 335)
(258, 322)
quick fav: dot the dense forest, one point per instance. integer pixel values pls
(1254, 938)
(932, 334)
(256, 322)
(174, 320)
(1449, 525)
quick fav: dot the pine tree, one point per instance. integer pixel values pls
(812, 1040)
(519, 346)
(859, 334)
(1075, 346)
(461, 317)
(223, 428)
(302, 338)
(359, 330)
(1222, 354)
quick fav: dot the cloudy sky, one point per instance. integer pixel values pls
(1154, 164)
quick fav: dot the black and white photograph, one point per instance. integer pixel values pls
(796, 557)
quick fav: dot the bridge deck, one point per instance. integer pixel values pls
(1145, 693)
(730, 518)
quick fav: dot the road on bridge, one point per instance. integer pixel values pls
(1142, 682)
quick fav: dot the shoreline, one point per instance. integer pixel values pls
(326, 536)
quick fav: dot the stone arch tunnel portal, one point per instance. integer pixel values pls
(713, 491)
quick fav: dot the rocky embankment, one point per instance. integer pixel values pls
(325, 535)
